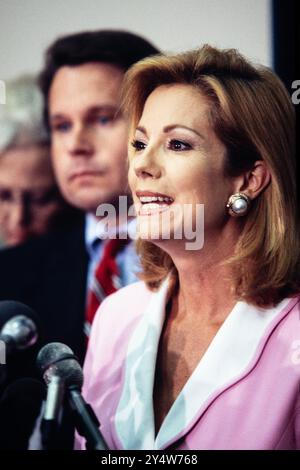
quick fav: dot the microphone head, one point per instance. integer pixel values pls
(12, 308)
(57, 359)
(18, 322)
(22, 330)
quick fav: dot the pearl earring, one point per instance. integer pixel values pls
(238, 204)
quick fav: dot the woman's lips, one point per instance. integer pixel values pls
(153, 202)
(151, 195)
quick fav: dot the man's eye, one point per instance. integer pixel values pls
(61, 127)
(105, 119)
(5, 195)
(138, 145)
(178, 145)
(44, 198)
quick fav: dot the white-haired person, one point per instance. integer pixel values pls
(204, 352)
(30, 203)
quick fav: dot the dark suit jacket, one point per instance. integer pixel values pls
(48, 274)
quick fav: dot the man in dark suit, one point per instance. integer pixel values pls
(49, 275)
(81, 82)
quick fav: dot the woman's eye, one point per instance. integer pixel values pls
(138, 145)
(178, 145)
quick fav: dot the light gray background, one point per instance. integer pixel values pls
(27, 27)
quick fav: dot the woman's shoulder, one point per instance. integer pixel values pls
(135, 292)
(289, 320)
(125, 304)
(291, 312)
(118, 314)
(282, 341)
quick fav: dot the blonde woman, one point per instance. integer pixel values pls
(204, 352)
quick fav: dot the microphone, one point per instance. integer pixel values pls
(18, 328)
(58, 360)
(52, 412)
(19, 408)
(18, 325)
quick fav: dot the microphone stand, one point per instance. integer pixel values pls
(86, 421)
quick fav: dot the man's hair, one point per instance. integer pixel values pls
(119, 48)
(252, 115)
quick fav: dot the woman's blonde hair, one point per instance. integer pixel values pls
(252, 115)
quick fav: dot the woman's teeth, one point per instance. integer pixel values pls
(157, 199)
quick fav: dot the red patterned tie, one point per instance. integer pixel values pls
(105, 281)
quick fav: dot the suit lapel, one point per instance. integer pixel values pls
(134, 419)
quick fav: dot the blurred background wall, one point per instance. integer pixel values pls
(27, 27)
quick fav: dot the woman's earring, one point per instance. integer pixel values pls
(238, 204)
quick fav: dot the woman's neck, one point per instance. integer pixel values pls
(205, 284)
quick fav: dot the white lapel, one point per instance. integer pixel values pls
(226, 360)
(134, 419)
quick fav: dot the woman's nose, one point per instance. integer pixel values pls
(147, 166)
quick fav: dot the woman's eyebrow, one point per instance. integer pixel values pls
(174, 126)
(142, 130)
(169, 128)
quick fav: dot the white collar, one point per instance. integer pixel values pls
(243, 331)
(97, 229)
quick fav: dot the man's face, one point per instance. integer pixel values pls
(89, 137)
(29, 199)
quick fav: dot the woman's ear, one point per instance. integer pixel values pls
(255, 180)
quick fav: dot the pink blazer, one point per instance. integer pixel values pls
(244, 393)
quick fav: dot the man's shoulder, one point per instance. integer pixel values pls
(41, 246)
(42, 264)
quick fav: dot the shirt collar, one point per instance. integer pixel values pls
(97, 230)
